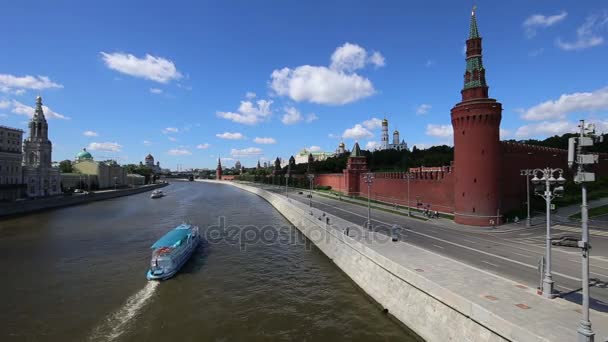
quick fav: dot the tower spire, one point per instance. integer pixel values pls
(473, 31)
(475, 86)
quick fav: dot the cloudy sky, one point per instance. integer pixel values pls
(189, 81)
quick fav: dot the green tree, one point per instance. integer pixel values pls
(65, 166)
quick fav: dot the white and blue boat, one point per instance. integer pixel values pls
(172, 251)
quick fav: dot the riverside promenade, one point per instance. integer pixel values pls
(439, 298)
(29, 206)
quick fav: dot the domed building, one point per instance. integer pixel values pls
(93, 174)
(149, 162)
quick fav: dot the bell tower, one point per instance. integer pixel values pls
(476, 124)
(218, 170)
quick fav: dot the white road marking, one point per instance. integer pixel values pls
(525, 234)
(489, 263)
(439, 246)
(534, 267)
(524, 255)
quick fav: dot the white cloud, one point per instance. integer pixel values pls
(423, 109)
(105, 146)
(568, 103)
(90, 134)
(372, 145)
(587, 35)
(348, 57)
(203, 146)
(291, 116)
(3, 115)
(318, 84)
(250, 151)
(230, 136)
(179, 152)
(147, 143)
(333, 136)
(377, 59)
(18, 85)
(250, 95)
(248, 112)
(545, 128)
(264, 141)
(22, 109)
(440, 131)
(429, 63)
(533, 22)
(357, 132)
(311, 117)
(4, 104)
(172, 139)
(170, 130)
(504, 133)
(152, 68)
(156, 91)
(372, 123)
(314, 148)
(337, 84)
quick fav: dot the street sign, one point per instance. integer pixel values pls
(552, 206)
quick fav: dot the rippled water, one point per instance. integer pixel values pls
(78, 274)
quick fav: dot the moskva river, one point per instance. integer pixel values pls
(78, 274)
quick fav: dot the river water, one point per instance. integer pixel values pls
(78, 274)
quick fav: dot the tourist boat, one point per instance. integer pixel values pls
(172, 251)
(157, 194)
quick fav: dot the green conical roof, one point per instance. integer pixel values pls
(473, 31)
(356, 151)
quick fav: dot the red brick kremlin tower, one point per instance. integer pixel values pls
(476, 123)
(355, 167)
(218, 170)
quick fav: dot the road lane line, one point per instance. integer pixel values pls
(535, 267)
(489, 263)
(524, 255)
(439, 246)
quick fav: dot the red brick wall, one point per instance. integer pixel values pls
(335, 180)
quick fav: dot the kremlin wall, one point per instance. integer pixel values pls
(484, 179)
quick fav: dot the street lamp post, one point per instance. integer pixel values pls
(114, 183)
(286, 184)
(311, 178)
(408, 176)
(549, 180)
(527, 173)
(369, 179)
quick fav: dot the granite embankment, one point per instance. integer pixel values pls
(439, 298)
(28, 206)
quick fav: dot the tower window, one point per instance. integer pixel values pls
(474, 180)
(473, 209)
(462, 132)
(463, 194)
(483, 152)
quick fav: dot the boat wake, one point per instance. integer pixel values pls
(116, 323)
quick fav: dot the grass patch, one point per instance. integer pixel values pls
(597, 211)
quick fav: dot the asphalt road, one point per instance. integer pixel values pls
(513, 255)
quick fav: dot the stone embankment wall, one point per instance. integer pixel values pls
(28, 206)
(434, 313)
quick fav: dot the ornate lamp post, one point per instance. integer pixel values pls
(547, 177)
(311, 177)
(368, 178)
(527, 173)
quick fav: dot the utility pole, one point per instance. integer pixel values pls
(577, 157)
(311, 178)
(369, 179)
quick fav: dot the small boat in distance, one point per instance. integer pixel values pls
(172, 251)
(157, 194)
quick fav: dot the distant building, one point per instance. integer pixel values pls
(134, 179)
(11, 178)
(218, 170)
(100, 174)
(41, 177)
(237, 166)
(150, 164)
(341, 149)
(396, 145)
(302, 156)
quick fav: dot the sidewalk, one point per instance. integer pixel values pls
(511, 310)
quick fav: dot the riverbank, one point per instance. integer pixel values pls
(29, 206)
(439, 298)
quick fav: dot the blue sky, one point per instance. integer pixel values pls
(189, 81)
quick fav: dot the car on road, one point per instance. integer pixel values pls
(300, 193)
(78, 191)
